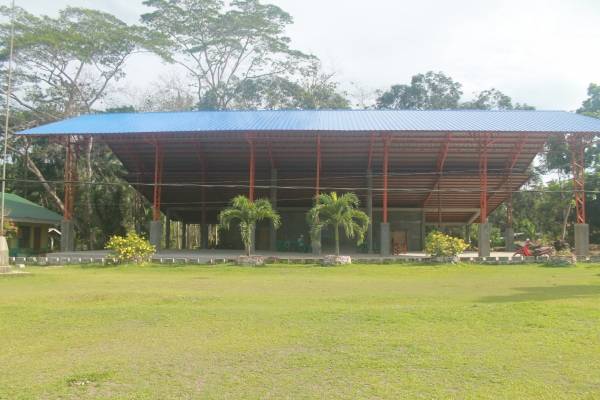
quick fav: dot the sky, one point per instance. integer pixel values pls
(540, 52)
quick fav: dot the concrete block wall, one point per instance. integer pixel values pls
(294, 224)
(409, 221)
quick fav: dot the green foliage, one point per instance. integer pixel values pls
(130, 248)
(313, 91)
(9, 229)
(436, 243)
(248, 213)
(430, 91)
(65, 67)
(329, 209)
(436, 91)
(224, 47)
(591, 106)
(493, 99)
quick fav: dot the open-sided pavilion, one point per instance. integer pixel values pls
(411, 168)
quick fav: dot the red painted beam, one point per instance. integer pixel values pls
(250, 139)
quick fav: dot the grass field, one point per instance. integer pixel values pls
(301, 332)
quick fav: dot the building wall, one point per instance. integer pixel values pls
(408, 221)
(21, 245)
(293, 224)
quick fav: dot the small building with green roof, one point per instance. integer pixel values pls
(32, 222)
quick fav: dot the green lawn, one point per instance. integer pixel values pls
(301, 332)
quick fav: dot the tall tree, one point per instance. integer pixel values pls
(171, 91)
(493, 99)
(63, 67)
(430, 91)
(591, 106)
(224, 47)
(314, 89)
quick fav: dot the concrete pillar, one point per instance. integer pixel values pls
(183, 236)
(369, 206)
(422, 230)
(317, 249)
(384, 246)
(253, 239)
(273, 233)
(509, 235)
(204, 237)
(484, 240)
(188, 236)
(67, 236)
(156, 235)
(468, 236)
(168, 230)
(4, 264)
(582, 240)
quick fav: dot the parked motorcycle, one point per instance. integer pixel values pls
(536, 252)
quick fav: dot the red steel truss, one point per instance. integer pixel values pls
(483, 139)
(480, 170)
(159, 159)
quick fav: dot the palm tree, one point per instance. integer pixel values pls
(248, 213)
(329, 209)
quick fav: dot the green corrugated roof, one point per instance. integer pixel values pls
(20, 210)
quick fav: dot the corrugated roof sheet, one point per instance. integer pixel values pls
(331, 120)
(22, 210)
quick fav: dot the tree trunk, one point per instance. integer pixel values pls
(565, 219)
(88, 201)
(248, 250)
(337, 240)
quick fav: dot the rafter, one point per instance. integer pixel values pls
(444, 148)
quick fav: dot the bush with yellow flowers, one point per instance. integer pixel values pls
(131, 248)
(438, 244)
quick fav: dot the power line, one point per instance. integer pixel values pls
(265, 187)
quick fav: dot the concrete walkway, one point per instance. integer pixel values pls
(217, 254)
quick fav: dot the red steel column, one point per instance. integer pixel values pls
(250, 139)
(386, 142)
(483, 145)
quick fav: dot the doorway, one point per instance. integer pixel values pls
(37, 238)
(264, 239)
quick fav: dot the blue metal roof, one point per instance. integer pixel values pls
(331, 120)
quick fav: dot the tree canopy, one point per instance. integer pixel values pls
(224, 47)
(436, 91)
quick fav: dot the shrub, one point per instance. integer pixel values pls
(10, 230)
(438, 244)
(131, 248)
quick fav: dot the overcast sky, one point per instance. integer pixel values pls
(541, 52)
